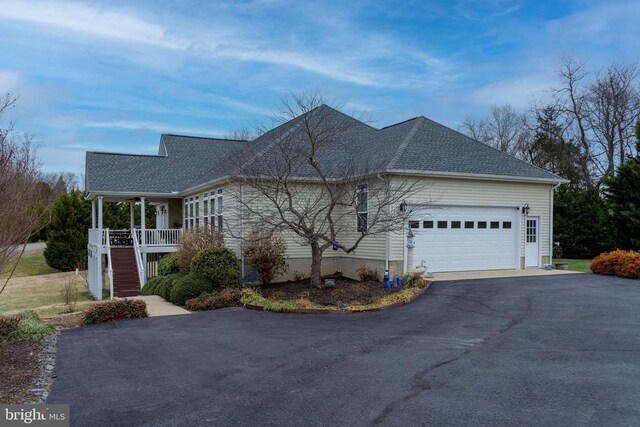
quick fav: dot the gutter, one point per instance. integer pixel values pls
(484, 177)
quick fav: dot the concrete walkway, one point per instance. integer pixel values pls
(496, 274)
(158, 306)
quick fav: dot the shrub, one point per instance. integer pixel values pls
(267, 255)
(194, 241)
(367, 274)
(119, 309)
(152, 285)
(189, 286)
(69, 292)
(225, 297)
(8, 324)
(606, 262)
(629, 265)
(168, 264)
(165, 285)
(219, 266)
(24, 326)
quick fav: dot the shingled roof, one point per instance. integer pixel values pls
(417, 146)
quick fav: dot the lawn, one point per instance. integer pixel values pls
(42, 294)
(31, 264)
(581, 265)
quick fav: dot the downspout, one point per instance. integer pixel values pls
(551, 193)
(386, 243)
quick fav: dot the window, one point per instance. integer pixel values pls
(506, 224)
(427, 224)
(495, 224)
(455, 224)
(414, 224)
(532, 231)
(482, 224)
(468, 224)
(362, 208)
(205, 207)
(219, 212)
(442, 224)
(185, 214)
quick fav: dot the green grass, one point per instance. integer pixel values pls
(31, 264)
(581, 265)
(42, 294)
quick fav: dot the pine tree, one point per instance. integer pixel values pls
(623, 192)
(68, 237)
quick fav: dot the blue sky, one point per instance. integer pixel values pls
(112, 76)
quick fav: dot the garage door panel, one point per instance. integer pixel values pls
(464, 248)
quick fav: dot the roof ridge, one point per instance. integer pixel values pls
(403, 145)
(493, 148)
(203, 137)
(400, 123)
(114, 153)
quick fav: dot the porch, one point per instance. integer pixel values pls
(123, 260)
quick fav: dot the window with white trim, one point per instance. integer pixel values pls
(362, 208)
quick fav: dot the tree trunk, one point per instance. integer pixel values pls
(316, 265)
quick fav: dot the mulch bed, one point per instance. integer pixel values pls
(20, 370)
(66, 320)
(346, 293)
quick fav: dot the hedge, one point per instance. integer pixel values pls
(24, 326)
(168, 264)
(225, 297)
(219, 266)
(189, 286)
(619, 263)
(119, 309)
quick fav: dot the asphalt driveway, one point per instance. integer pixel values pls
(559, 350)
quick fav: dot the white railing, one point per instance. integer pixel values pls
(138, 254)
(162, 237)
(95, 238)
(110, 265)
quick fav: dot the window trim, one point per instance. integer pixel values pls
(362, 215)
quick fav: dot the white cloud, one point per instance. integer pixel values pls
(113, 24)
(9, 81)
(618, 21)
(352, 63)
(517, 91)
(154, 127)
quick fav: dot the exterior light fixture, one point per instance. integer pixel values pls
(403, 206)
(525, 209)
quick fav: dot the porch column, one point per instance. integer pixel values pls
(93, 214)
(131, 216)
(143, 221)
(100, 218)
(143, 238)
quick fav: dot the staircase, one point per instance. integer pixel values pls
(125, 272)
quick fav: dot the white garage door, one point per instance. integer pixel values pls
(465, 238)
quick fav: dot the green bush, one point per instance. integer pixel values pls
(110, 311)
(168, 264)
(165, 285)
(218, 265)
(8, 324)
(225, 297)
(189, 286)
(24, 326)
(152, 284)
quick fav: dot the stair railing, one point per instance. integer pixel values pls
(110, 264)
(138, 254)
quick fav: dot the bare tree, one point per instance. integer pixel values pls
(599, 115)
(20, 213)
(504, 128)
(295, 184)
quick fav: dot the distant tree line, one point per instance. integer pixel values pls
(587, 131)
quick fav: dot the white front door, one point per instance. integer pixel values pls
(532, 242)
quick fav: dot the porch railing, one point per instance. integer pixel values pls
(160, 237)
(138, 254)
(110, 264)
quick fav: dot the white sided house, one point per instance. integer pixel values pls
(477, 208)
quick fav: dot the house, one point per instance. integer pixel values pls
(477, 209)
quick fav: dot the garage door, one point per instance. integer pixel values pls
(465, 238)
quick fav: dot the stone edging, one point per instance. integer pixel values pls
(343, 311)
